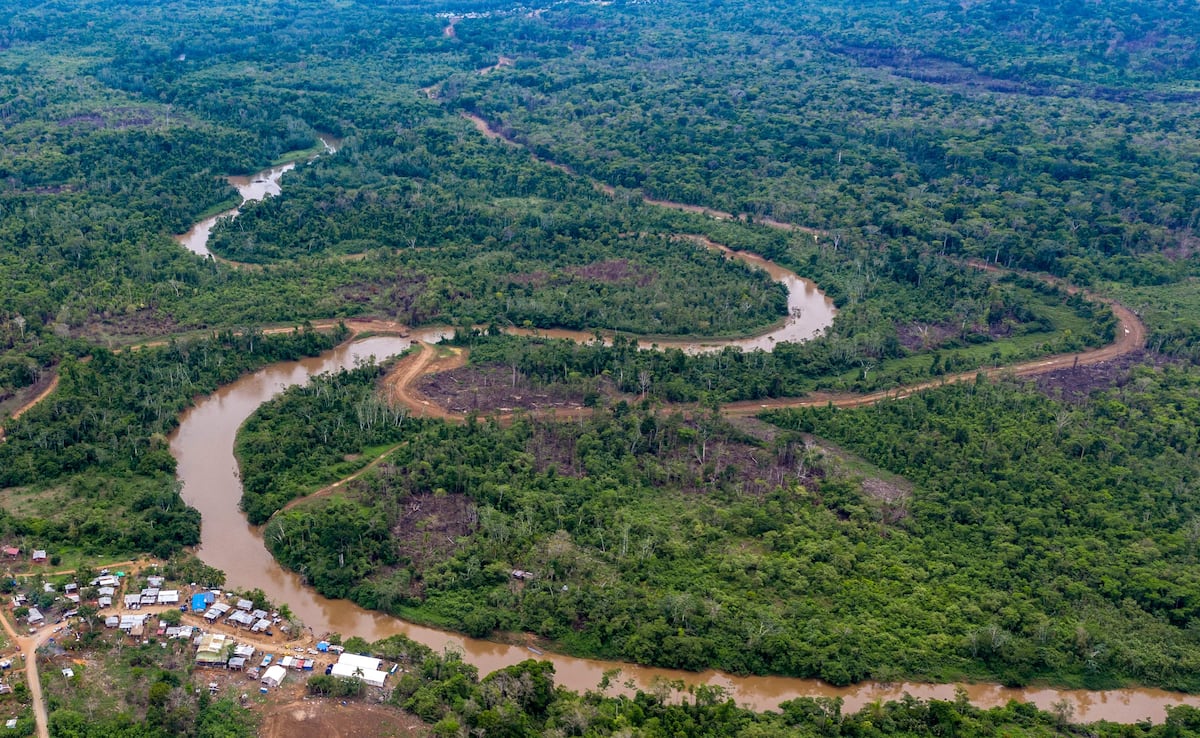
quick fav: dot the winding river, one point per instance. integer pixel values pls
(203, 447)
(252, 189)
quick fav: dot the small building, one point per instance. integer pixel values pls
(242, 618)
(47, 587)
(374, 677)
(361, 662)
(522, 574)
(246, 605)
(106, 591)
(35, 616)
(237, 663)
(71, 587)
(213, 649)
(156, 581)
(129, 622)
(39, 555)
(260, 626)
(12, 552)
(104, 601)
(168, 597)
(215, 611)
(6, 689)
(133, 601)
(274, 676)
(112, 621)
(322, 646)
(245, 650)
(259, 614)
(201, 601)
(138, 630)
(150, 596)
(68, 672)
(108, 580)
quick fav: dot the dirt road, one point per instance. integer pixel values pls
(33, 401)
(1130, 336)
(399, 383)
(28, 646)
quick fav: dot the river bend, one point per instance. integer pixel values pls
(203, 447)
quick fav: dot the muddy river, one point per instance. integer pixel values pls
(203, 447)
(253, 188)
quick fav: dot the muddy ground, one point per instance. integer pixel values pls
(308, 718)
(1076, 384)
(486, 389)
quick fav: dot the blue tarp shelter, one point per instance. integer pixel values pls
(201, 601)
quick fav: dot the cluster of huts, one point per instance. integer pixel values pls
(217, 650)
(348, 666)
(242, 614)
(35, 617)
(39, 555)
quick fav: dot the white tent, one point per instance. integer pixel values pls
(274, 676)
(374, 677)
(366, 663)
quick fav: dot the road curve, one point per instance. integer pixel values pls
(1130, 337)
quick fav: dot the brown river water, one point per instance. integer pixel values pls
(203, 448)
(253, 188)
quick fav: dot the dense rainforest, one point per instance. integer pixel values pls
(521, 700)
(554, 166)
(1040, 539)
(90, 468)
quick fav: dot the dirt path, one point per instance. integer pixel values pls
(489, 131)
(33, 401)
(502, 61)
(399, 384)
(330, 489)
(1130, 336)
(28, 646)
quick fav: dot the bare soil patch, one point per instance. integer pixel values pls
(1076, 384)
(613, 271)
(916, 336)
(118, 118)
(427, 529)
(140, 324)
(494, 388)
(311, 718)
